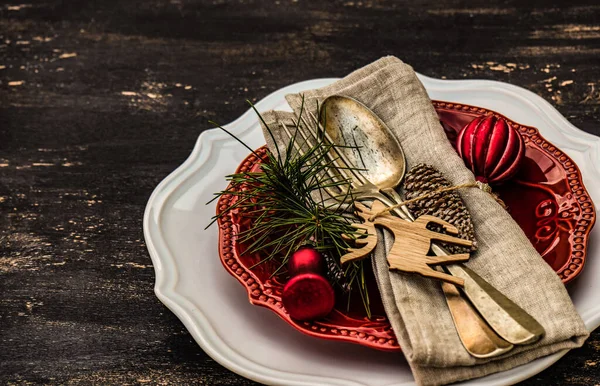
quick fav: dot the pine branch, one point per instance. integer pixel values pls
(280, 202)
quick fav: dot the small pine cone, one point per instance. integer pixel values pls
(334, 272)
(448, 206)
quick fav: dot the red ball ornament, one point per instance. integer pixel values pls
(491, 148)
(305, 259)
(308, 296)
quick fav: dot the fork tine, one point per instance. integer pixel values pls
(331, 175)
(359, 176)
(289, 134)
(342, 169)
(303, 134)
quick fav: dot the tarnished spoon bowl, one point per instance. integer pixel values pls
(372, 146)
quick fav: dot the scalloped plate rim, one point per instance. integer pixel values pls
(195, 320)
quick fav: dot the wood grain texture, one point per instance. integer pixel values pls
(101, 100)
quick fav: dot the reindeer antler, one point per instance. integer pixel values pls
(367, 243)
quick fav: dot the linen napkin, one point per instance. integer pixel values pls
(505, 258)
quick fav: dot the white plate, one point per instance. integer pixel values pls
(253, 341)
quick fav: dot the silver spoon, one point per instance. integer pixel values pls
(349, 122)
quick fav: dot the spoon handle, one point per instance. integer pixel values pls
(509, 320)
(475, 334)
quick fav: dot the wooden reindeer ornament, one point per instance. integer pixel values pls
(412, 241)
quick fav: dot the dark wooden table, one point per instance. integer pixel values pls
(100, 100)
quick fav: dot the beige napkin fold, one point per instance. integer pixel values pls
(505, 258)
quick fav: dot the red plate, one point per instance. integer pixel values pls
(546, 198)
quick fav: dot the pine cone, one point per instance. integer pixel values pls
(335, 273)
(448, 206)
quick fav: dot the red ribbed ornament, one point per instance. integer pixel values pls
(491, 148)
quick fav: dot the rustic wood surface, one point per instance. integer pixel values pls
(100, 100)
